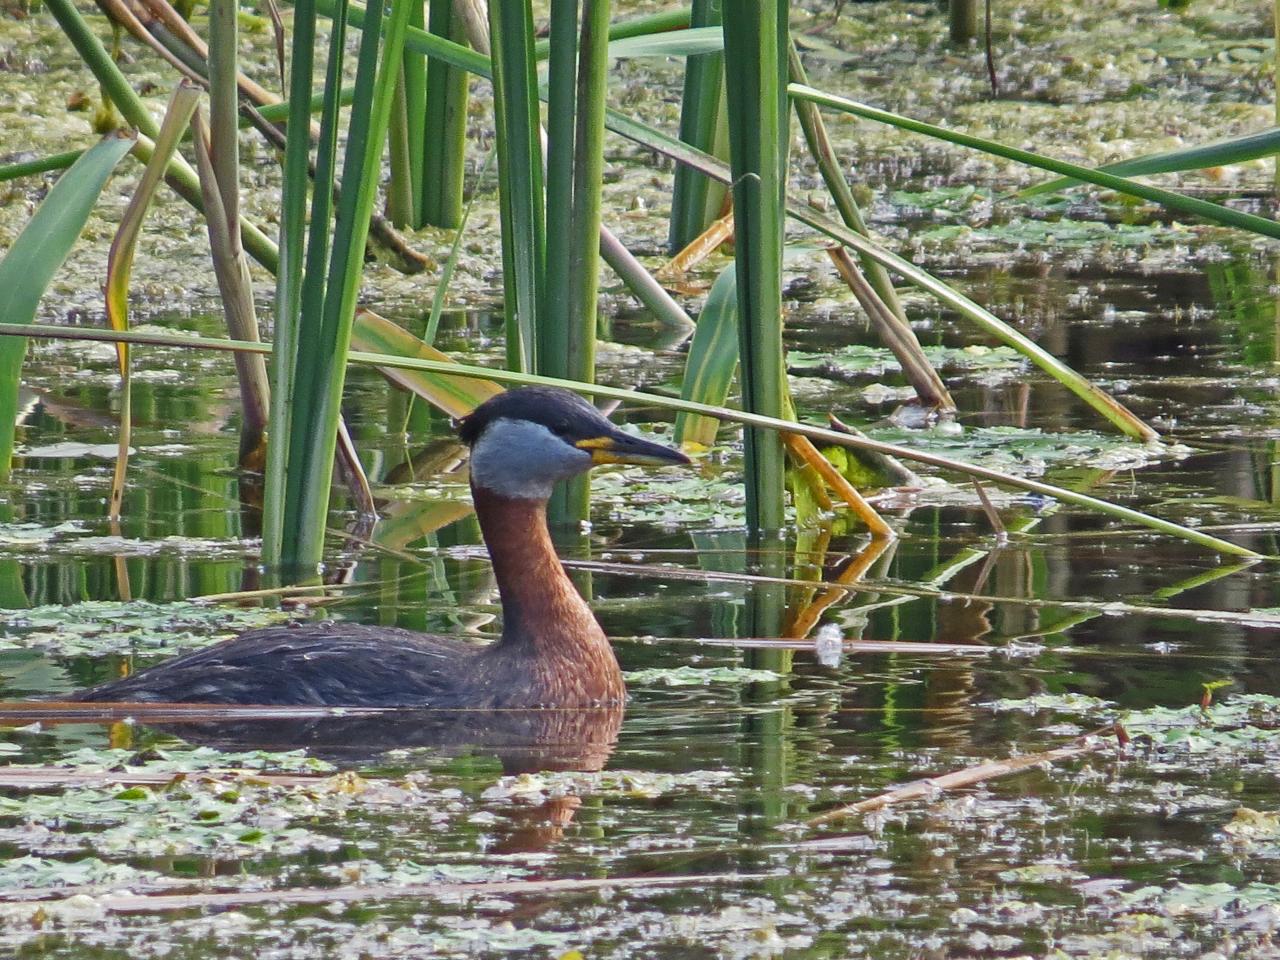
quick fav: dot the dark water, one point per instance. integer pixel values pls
(708, 785)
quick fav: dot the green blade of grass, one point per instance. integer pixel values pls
(35, 256)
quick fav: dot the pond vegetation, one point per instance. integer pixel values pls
(1033, 714)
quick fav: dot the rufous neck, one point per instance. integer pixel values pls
(541, 608)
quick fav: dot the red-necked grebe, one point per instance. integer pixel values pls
(552, 651)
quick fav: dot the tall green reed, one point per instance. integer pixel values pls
(521, 197)
(444, 128)
(696, 200)
(755, 43)
(308, 419)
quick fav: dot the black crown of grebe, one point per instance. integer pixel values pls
(552, 651)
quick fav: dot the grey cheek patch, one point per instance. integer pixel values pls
(523, 460)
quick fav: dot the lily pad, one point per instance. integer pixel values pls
(538, 788)
(19, 873)
(858, 360)
(1033, 452)
(100, 627)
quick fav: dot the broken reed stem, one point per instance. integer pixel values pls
(804, 449)
(992, 516)
(932, 786)
(699, 248)
(894, 333)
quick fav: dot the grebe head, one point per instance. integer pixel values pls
(523, 442)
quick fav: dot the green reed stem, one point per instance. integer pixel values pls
(288, 300)
(562, 99)
(588, 172)
(444, 128)
(755, 42)
(699, 114)
(28, 168)
(520, 192)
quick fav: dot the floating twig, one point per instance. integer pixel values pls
(1002, 535)
(968, 777)
(904, 647)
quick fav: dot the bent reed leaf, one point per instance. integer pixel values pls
(182, 105)
(712, 361)
(35, 256)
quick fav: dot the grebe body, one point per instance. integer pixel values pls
(552, 652)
